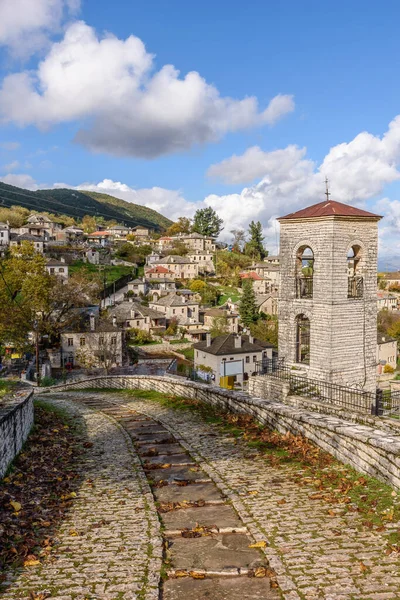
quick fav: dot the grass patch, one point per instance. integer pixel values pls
(182, 341)
(112, 272)
(6, 387)
(188, 353)
(227, 292)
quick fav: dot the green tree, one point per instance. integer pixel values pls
(254, 247)
(266, 329)
(247, 306)
(219, 326)
(89, 224)
(207, 222)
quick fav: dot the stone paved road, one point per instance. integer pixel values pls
(316, 554)
(110, 547)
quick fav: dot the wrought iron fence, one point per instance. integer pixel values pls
(388, 403)
(339, 396)
(355, 287)
(304, 287)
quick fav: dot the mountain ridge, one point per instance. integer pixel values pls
(78, 203)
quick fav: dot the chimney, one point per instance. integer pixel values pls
(383, 339)
(114, 321)
(251, 339)
(208, 339)
(62, 259)
(92, 322)
(238, 341)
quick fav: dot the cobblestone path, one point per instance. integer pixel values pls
(317, 550)
(110, 548)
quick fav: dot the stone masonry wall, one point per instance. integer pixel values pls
(368, 448)
(16, 420)
(342, 330)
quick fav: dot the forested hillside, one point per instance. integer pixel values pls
(77, 204)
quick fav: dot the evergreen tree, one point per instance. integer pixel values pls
(254, 247)
(247, 305)
(207, 222)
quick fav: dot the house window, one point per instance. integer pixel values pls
(70, 341)
(138, 323)
(101, 341)
(173, 311)
(247, 359)
(254, 358)
(52, 270)
(303, 340)
(82, 341)
(113, 341)
(61, 270)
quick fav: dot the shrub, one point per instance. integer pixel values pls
(388, 369)
(47, 381)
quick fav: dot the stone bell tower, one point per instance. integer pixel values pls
(327, 300)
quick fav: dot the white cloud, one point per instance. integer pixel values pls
(12, 166)
(255, 163)
(22, 180)
(127, 108)
(26, 24)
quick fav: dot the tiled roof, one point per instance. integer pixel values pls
(251, 275)
(329, 208)
(384, 339)
(158, 269)
(173, 259)
(225, 344)
(55, 263)
(173, 300)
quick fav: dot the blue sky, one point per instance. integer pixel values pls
(332, 68)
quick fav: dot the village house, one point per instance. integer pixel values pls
(39, 243)
(140, 232)
(4, 235)
(164, 243)
(132, 315)
(161, 287)
(40, 226)
(260, 285)
(203, 259)
(58, 268)
(119, 231)
(392, 279)
(268, 271)
(179, 266)
(231, 357)
(196, 241)
(386, 301)
(267, 303)
(138, 287)
(158, 272)
(71, 234)
(386, 352)
(174, 306)
(99, 237)
(91, 343)
(215, 315)
(272, 259)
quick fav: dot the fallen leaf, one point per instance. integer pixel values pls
(253, 493)
(16, 505)
(31, 561)
(283, 501)
(262, 544)
(260, 572)
(181, 574)
(197, 575)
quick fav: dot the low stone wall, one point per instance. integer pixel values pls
(368, 448)
(16, 420)
(164, 347)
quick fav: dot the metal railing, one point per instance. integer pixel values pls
(339, 396)
(388, 403)
(304, 287)
(355, 287)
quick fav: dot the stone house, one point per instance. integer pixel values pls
(232, 318)
(174, 306)
(268, 271)
(4, 235)
(203, 259)
(165, 242)
(386, 301)
(71, 234)
(161, 287)
(39, 243)
(103, 238)
(196, 241)
(272, 259)
(386, 352)
(141, 232)
(260, 285)
(91, 343)
(58, 268)
(133, 315)
(392, 279)
(267, 303)
(180, 267)
(41, 226)
(158, 272)
(119, 231)
(231, 355)
(138, 287)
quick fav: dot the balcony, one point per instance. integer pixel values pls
(355, 287)
(304, 287)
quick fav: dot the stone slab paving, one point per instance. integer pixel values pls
(241, 588)
(110, 547)
(316, 555)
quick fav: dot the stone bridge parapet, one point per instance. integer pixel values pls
(16, 420)
(372, 448)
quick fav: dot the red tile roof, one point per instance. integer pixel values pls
(250, 275)
(158, 270)
(329, 208)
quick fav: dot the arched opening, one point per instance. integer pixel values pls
(355, 281)
(304, 272)
(302, 340)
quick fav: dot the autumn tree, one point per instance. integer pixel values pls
(89, 224)
(266, 329)
(239, 238)
(254, 247)
(219, 326)
(207, 222)
(182, 225)
(247, 306)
